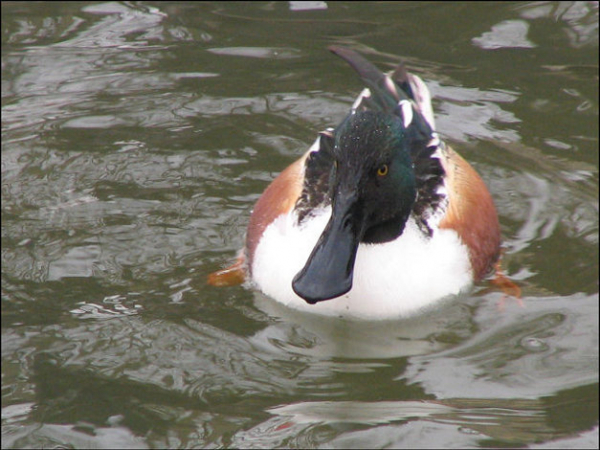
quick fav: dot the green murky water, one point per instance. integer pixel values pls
(136, 138)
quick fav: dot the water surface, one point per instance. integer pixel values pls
(137, 136)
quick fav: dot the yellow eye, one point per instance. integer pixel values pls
(383, 170)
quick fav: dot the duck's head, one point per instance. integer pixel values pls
(376, 161)
(372, 190)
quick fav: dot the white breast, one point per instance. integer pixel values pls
(390, 280)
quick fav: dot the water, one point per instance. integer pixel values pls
(135, 140)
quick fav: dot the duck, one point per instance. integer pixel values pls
(378, 219)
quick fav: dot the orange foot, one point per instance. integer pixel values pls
(230, 276)
(507, 286)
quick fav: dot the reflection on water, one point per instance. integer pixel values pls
(441, 327)
(135, 140)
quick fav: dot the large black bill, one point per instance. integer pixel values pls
(329, 269)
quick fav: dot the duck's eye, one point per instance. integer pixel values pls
(382, 171)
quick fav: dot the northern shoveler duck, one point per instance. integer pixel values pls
(378, 219)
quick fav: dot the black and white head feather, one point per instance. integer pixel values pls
(406, 96)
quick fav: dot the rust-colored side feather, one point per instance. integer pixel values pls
(471, 213)
(279, 198)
